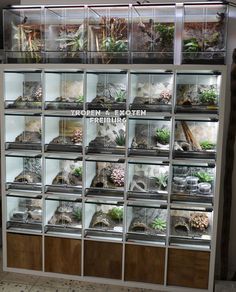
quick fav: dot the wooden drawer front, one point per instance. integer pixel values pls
(188, 268)
(24, 251)
(103, 259)
(144, 264)
(63, 255)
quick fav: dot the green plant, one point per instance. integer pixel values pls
(116, 213)
(80, 98)
(166, 34)
(208, 96)
(163, 135)
(120, 138)
(192, 45)
(120, 95)
(204, 176)
(28, 41)
(207, 145)
(78, 214)
(78, 171)
(162, 180)
(73, 42)
(158, 224)
(110, 44)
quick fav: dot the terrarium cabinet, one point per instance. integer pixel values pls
(112, 173)
(111, 149)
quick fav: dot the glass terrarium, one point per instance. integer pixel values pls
(108, 34)
(153, 33)
(195, 139)
(147, 180)
(23, 173)
(64, 90)
(198, 92)
(204, 34)
(63, 215)
(194, 183)
(105, 179)
(146, 223)
(106, 90)
(65, 34)
(24, 213)
(63, 134)
(23, 132)
(64, 175)
(104, 219)
(191, 227)
(149, 137)
(151, 91)
(105, 137)
(23, 90)
(23, 35)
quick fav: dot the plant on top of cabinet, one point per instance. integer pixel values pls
(203, 36)
(153, 34)
(108, 35)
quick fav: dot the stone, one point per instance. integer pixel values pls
(29, 137)
(102, 142)
(62, 140)
(28, 177)
(101, 220)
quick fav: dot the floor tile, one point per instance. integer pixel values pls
(21, 278)
(14, 287)
(47, 289)
(54, 282)
(3, 275)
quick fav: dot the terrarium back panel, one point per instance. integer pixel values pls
(103, 259)
(24, 251)
(144, 264)
(63, 255)
(187, 268)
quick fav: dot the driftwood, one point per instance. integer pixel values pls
(189, 137)
(229, 166)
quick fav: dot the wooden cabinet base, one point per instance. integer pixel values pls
(63, 255)
(144, 264)
(187, 268)
(103, 259)
(24, 251)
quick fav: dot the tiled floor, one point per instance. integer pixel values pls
(13, 282)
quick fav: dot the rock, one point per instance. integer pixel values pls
(102, 142)
(181, 223)
(139, 227)
(36, 215)
(29, 137)
(60, 219)
(28, 177)
(62, 140)
(101, 220)
(141, 100)
(61, 178)
(199, 221)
